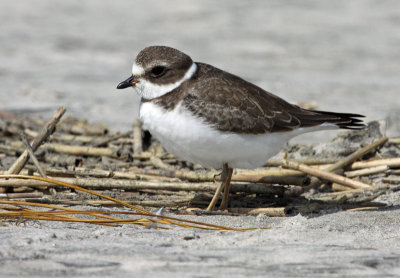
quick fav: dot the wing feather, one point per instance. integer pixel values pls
(232, 104)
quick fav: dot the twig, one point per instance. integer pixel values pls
(307, 161)
(32, 155)
(275, 172)
(137, 137)
(315, 182)
(391, 180)
(326, 175)
(167, 219)
(271, 176)
(158, 163)
(353, 196)
(287, 180)
(393, 172)
(272, 212)
(267, 176)
(173, 176)
(145, 203)
(63, 160)
(198, 211)
(22, 195)
(390, 162)
(99, 173)
(164, 193)
(356, 155)
(367, 171)
(93, 183)
(144, 155)
(64, 137)
(394, 140)
(81, 150)
(82, 127)
(363, 208)
(42, 136)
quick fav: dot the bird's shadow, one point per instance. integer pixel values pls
(297, 205)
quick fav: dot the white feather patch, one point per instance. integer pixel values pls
(191, 139)
(137, 70)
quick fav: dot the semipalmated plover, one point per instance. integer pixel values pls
(208, 116)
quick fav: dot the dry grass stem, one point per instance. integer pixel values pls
(137, 137)
(134, 185)
(80, 150)
(42, 136)
(22, 195)
(326, 175)
(141, 175)
(394, 140)
(356, 155)
(162, 219)
(390, 162)
(306, 161)
(391, 180)
(363, 208)
(351, 196)
(32, 155)
(367, 171)
(272, 212)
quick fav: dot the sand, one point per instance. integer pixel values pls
(342, 54)
(336, 244)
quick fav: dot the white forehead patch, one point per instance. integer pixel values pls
(137, 70)
(150, 90)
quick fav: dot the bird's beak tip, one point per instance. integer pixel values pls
(129, 82)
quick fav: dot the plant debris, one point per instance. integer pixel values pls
(73, 162)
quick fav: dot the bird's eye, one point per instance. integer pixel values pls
(158, 71)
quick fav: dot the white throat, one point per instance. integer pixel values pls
(149, 90)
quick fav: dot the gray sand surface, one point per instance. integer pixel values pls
(341, 244)
(342, 54)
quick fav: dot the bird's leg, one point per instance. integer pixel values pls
(226, 179)
(227, 189)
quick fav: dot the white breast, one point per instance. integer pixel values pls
(189, 138)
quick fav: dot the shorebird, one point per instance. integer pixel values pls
(211, 117)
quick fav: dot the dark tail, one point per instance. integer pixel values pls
(345, 120)
(342, 120)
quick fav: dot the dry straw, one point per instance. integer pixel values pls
(79, 155)
(61, 214)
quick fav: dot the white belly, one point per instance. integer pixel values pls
(190, 139)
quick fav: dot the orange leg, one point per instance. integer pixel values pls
(225, 185)
(227, 189)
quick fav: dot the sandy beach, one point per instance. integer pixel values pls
(343, 55)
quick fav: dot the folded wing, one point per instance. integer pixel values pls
(232, 104)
